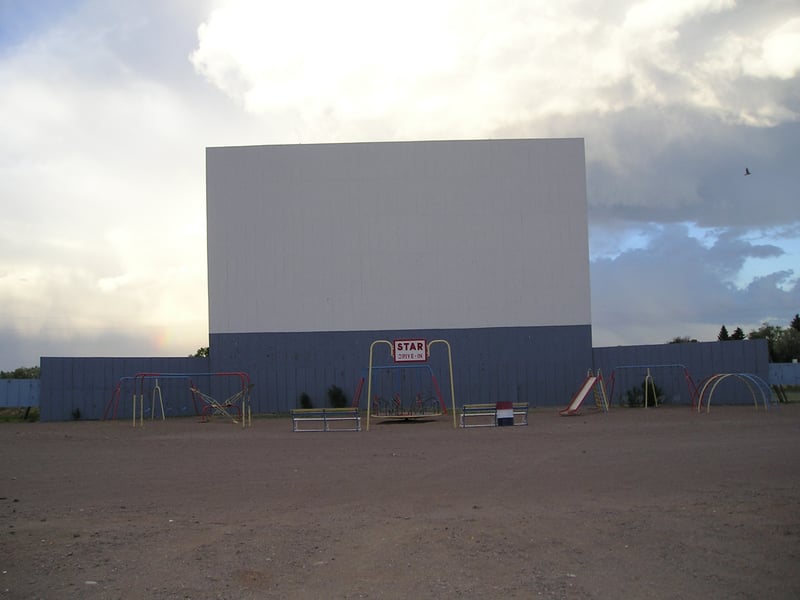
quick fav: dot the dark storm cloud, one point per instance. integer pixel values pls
(676, 286)
(656, 176)
(24, 348)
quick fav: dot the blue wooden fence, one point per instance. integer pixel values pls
(784, 374)
(519, 370)
(19, 393)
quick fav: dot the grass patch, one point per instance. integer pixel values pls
(19, 415)
(792, 395)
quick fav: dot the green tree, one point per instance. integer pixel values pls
(787, 347)
(22, 373)
(723, 336)
(682, 339)
(201, 353)
(795, 324)
(771, 333)
(738, 334)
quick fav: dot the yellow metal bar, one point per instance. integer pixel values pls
(369, 376)
(603, 390)
(157, 390)
(306, 411)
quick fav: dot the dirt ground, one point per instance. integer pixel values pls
(638, 503)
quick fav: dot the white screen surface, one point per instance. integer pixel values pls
(399, 235)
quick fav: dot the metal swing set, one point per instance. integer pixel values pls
(236, 407)
(237, 403)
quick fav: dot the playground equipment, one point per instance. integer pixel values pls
(326, 419)
(753, 382)
(487, 415)
(407, 354)
(408, 402)
(204, 405)
(592, 382)
(235, 403)
(648, 381)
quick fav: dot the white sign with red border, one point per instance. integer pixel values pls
(410, 350)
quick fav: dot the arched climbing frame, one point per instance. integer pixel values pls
(753, 382)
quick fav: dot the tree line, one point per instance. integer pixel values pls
(783, 343)
(21, 373)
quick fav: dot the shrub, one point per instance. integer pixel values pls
(336, 397)
(305, 401)
(634, 397)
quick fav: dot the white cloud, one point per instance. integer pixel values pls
(471, 68)
(107, 107)
(780, 53)
(656, 16)
(101, 178)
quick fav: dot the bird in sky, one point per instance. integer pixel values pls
(746, 171)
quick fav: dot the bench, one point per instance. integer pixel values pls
(326, 419)
(485, 415)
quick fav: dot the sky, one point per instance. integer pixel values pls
(106, 109)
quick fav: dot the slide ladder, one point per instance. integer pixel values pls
(589, 384)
